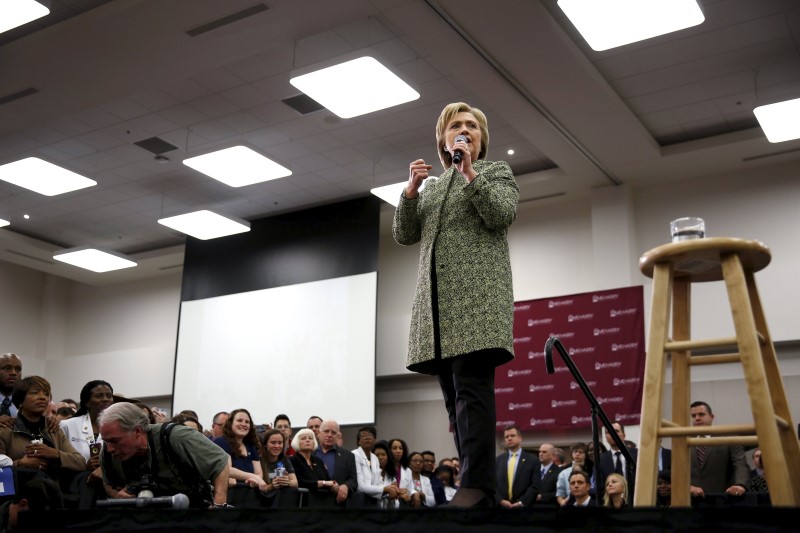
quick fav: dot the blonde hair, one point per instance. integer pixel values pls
(448, 113)
(606, 498)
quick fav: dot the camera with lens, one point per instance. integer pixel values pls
(144, 488)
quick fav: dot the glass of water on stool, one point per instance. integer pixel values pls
(687, 228)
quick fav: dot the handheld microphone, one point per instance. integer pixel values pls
(457, 155)
(178, 501)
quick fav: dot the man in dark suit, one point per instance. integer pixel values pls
(664, 458)
(613, 460)
(520, 467)
(340, 463)
(715, 469)
(547, 477)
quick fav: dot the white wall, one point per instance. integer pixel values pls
(72, 333)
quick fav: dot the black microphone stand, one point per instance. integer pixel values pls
(597, 410)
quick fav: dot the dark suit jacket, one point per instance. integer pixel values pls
(607, 467)
(546, 486)
(666, 458)
(724, 466)
(344, 471)
(524, 489)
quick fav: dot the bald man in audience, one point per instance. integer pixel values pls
(340, 463)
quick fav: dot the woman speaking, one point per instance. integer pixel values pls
(463, 312)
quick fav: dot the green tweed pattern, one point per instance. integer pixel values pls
(466, 225)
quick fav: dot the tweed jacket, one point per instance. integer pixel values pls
(463, 227)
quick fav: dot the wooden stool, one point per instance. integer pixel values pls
(674, 267)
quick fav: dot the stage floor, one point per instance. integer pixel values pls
(439, 520)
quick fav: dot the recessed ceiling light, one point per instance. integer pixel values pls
(94, 259)
(237, 166)
(45, 178)
(4, 222)
(610, 23)
(355, 87)
(780, 121)
(15, 13)
(205, 225)
(391, 193)
(26, 216)
(510, 151)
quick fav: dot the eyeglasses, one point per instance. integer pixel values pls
(429, 460)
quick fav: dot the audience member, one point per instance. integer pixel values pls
(579, 488)
(83, 433)
(559, 457)
(664, 489)
(715, 469)
(283, 424)
(368, 469)
(547, 477)
(422, 493)
(71, 403)
(239, 441)
(445, 474)
(218, 423)
(614, 460)
(399, 453)
(35, 495)
(30, 443)
(429, 465)
(10, 372)
(137, 455)
(616, 492)
(393, 494)
(515, 472)
(314, 423)
(580, 460)
(341, 463)
(64, 413)
(311, 472)
(757, 481)
(280, 490)
(664, 457)
(189, 421)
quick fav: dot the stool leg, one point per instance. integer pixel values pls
(681, 391)
(652, 393)
(780, 488)
(789, 460)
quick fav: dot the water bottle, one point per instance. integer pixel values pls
(280, 470)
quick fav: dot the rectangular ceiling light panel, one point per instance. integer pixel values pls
(237, 166)
(607, 24)
(45, 178)
(4, 222)
(780, 121)
(15, 13)
(205, 225)
(95, 260)
(355, 87)
(391, 193)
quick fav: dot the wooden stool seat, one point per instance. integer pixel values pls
(674, 267)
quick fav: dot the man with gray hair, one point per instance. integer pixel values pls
(341, 463)
(164, 459)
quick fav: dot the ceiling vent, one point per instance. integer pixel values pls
(303, 104)
(156, 145)
(228, 19)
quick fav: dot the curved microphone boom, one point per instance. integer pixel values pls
(548, 354)
(457, 155)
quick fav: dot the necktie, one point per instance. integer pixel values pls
(544, 471)
(618, 463)
(5, 407)
(512, 463)
(701, 456)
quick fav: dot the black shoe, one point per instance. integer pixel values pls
(471, 498)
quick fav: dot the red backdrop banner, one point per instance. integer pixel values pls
(604, 334)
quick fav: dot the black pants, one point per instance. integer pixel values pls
(467, 383)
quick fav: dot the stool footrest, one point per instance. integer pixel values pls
(692, 431)
(722, 342)
(723, 441)
(715, 359)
